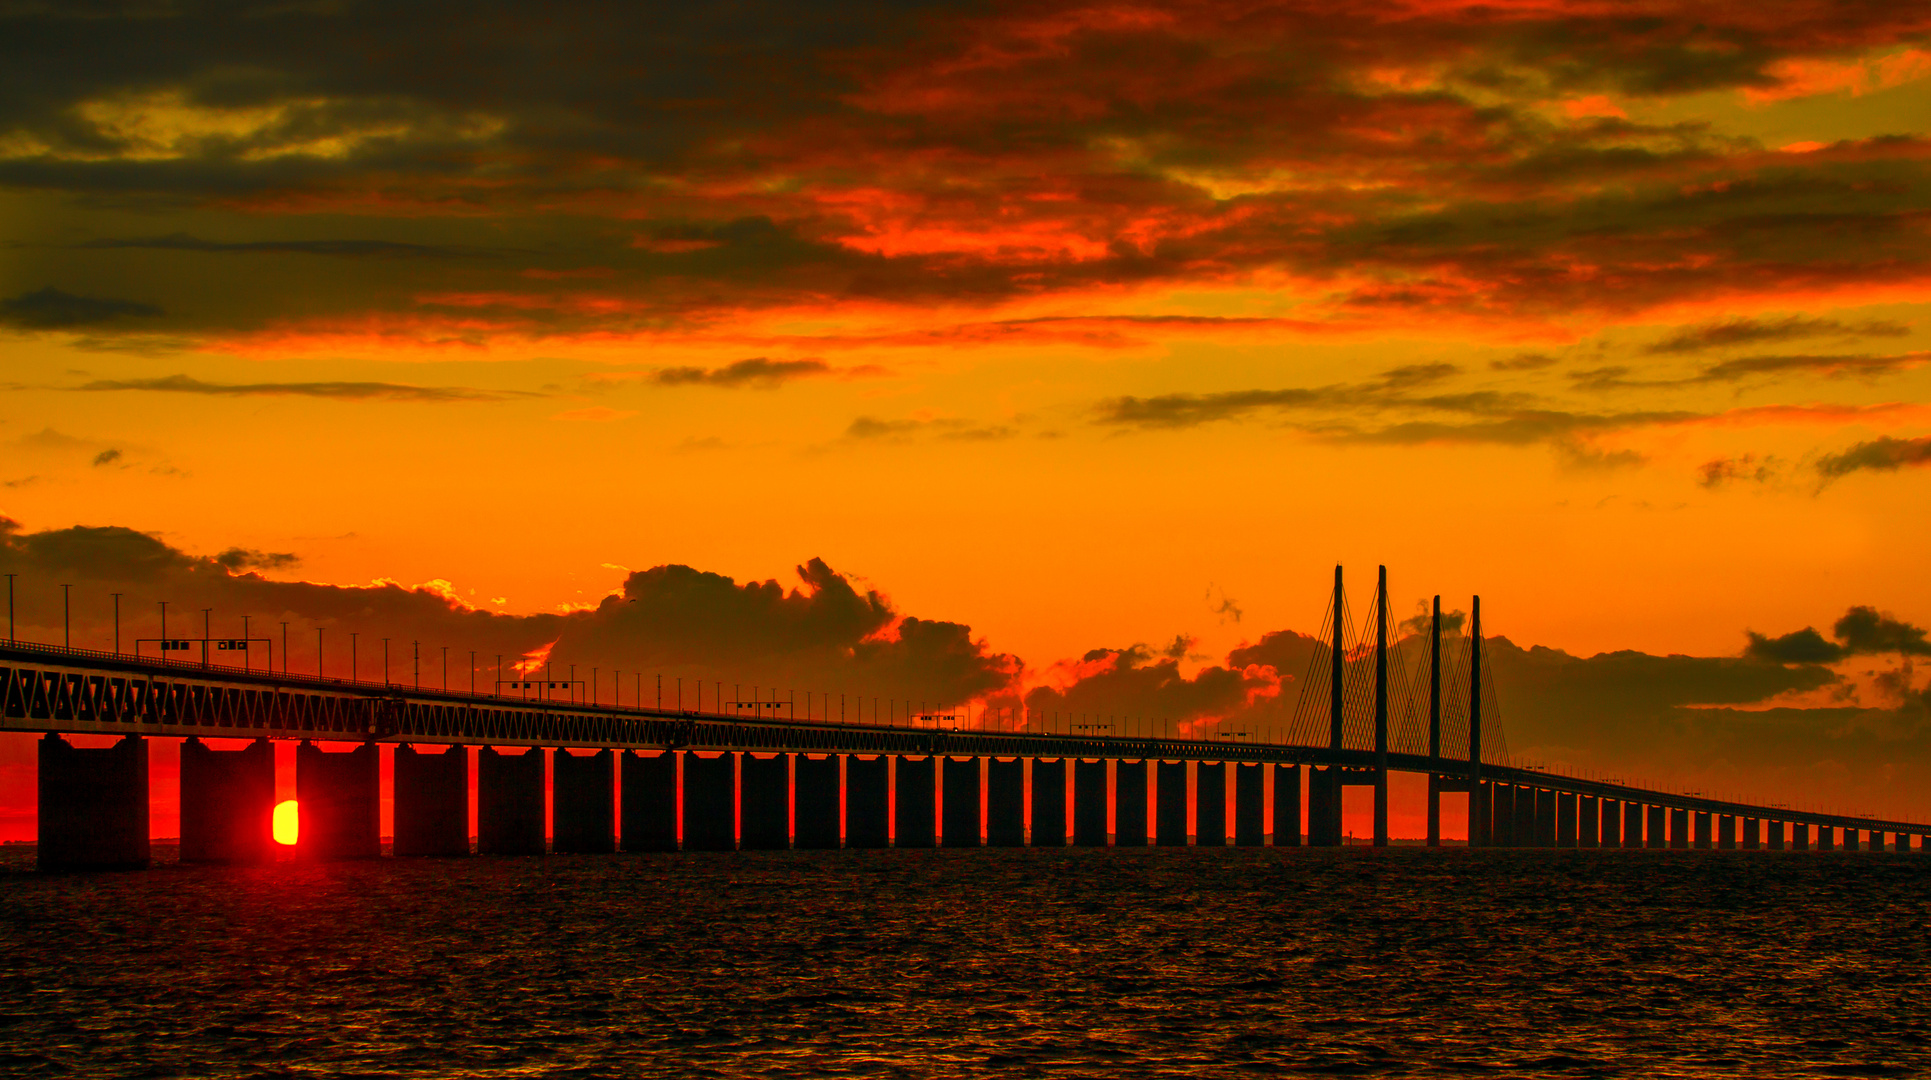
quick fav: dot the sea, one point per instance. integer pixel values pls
(1010, 963)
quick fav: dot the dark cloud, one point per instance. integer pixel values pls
(1731, 332)
(874, 429)
(824, 634)
(52, 309)
(1523, 362)
(107, 457)
(1883, 454)
(340, 391)
(1862, 631)
(756, 371)
(1747, 468)
(342, 248)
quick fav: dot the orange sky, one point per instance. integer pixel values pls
(1082, 325)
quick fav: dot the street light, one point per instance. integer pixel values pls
(66, 616)
(117, 624)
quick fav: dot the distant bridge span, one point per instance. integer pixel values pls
(688, 778)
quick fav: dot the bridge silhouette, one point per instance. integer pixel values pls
(721, 780)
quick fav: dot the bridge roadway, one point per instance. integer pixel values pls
(45, 689)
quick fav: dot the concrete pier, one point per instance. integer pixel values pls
(1324, 807)
(710, 802)
(868, 802)
(93, 805)
(1632, 825)
(961, 807)
(1049, 803)
(1089, 803)
(817, 796)
(1703, 834)
(649, 801)
(339, 799)
(1726, 833)
(1679, 829)
(1799, 836)
(765, 798)
(227, 802)
(1170, 804)
(432, 801)
(1210, 804)
(1130, 804)
(509, 802)
(1528, 822)
(1588, 822)
(915, 802)
(583, 802)
(1656, 832)
(1900, 842)
(1612, 823)
(1566, 812)
(1250, 805)
(1752, 838)
(1774, 835)
(1545, 818)
(1287, 806)
(1005, 802)
(1502, 826)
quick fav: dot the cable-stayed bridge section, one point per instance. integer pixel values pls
(713, 780)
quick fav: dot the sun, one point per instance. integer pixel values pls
(288, 823)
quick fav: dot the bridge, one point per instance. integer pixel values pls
(721, 780)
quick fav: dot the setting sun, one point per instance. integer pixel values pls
(288, 823)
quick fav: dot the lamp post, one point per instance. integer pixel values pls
(66, 616)
(10, 578)
(117, 624)
(318, 653)
(164, 630)
(244, 642)
(355, 664)
(207, 618)
(284, 648)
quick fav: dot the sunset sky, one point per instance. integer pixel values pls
(1103, 330)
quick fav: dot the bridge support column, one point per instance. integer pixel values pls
(1049, 802)
(1680, 829)
(1566, 811)
(817, 797)
(1250, 805)
(1588, 821)
(1434, 836)
(1481, 815)
(1089, 803)
(868, 802)
(1632, 824)
(432, 801)
(1726, 832)
(1528, 832)
(650, 801)
(961, 802)
(1900, 842)
(1170, 803)
(1612, 823)
(1752, 834)
(1773, 835)
(766, 800)
(339, 802)
(1502, 811)
(1826, 838)
(509, 802)
(583, 802)
(1006, 802)
(1130, 804)
(1799, 836)
(93, 805)
(227, 802)
(1545, 818)
(1287, 806)
(915, 801)
(1656, 827)
(1702, 831)
(710, 802)
(1324, 807)
(1210, 804)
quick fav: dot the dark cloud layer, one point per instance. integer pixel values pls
(52, 309)
(1861, 632)
(1732, 332)
(1879, 455)
(632, 168)
(340, 391)
(756, 371)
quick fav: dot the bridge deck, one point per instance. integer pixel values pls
(78, 691)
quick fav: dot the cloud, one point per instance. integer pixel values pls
(1523, 362)
(757, 371)
(1747, 468)
(107, 457)
(871, 428)
(340, 391)
(52, 309)
(1732, 332)
(822, 633)
(1883, 454)
(1862, 631)
(1865, 366)
(595, 414)
(339, 248)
